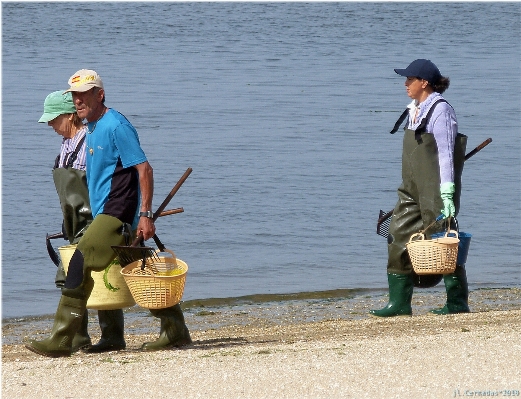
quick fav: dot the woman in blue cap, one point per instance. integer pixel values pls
(70, 180)
(432, 164)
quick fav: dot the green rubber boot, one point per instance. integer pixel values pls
(112, 325)
(67, 322)
(173, 333)
(400, 296)
(457, 292)
(81, 339)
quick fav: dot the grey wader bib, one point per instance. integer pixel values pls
(419, 200)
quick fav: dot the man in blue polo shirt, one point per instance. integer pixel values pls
(121, 185)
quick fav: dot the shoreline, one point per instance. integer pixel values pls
(333, 294)
(291, 349)
(202, 314)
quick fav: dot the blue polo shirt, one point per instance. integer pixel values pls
(113, 149)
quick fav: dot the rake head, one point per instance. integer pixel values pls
(127, 255)
(384, 220)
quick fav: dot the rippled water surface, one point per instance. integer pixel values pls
(283, 112)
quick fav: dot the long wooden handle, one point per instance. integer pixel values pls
(178, 185)
(478, 148)
(172, 193)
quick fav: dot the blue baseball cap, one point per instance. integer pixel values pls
(423, 69)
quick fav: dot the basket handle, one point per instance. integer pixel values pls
(421, 235)
(167, 250)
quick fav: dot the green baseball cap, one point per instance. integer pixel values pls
(57, 103)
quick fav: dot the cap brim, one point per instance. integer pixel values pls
(402, 72)
(82, 88)
(79, 89)
(47, 118)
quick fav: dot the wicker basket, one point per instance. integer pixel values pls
(160, 284)
(436, 256)
(110, 290)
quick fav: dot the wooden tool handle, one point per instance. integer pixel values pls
(172, 193)
(171, 212)
(178, 185)
(478, 148)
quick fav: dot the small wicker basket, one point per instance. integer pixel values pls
(436, 256)
(160, 284)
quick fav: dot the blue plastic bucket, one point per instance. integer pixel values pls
(463, 246)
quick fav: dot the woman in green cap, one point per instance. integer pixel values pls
(71, 185)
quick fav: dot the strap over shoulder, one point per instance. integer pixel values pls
(400, 120)
(74, 155)
(425, 120)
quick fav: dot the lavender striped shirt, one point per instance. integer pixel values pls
(444, 126)
(69, 145)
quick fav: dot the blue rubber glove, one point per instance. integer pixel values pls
(447, 194)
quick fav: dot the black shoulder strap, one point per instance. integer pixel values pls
(74, 155)
(423, 124)
(400, 120)
(57, 162)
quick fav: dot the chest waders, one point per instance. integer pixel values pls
(71, 187)
(419, 204)
(419, 200)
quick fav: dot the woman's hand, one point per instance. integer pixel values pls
(447, 195)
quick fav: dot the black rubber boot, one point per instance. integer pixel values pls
(173, 332)
(400, 296)
(112, 326)
(81, 339)
(67, 322)
(457, 292)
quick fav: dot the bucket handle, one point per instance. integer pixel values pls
(453, 232)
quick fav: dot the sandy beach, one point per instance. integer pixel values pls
(273, 350)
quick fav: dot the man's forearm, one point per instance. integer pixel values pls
(146, 185)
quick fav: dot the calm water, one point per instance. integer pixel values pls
(283, 112)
